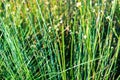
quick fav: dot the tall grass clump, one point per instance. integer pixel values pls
(59, 39)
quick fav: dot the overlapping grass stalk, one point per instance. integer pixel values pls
(59, 39)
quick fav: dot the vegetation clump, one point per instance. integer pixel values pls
(60, 39)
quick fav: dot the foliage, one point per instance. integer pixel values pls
(59, 39)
